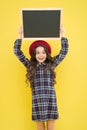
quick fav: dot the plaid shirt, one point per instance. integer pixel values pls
(44, 106)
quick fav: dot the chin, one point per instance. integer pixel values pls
(41, 61)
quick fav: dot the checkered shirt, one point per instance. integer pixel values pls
(44, 103)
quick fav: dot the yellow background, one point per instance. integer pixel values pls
(71, 87)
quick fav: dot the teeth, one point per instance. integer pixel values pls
(41, 58)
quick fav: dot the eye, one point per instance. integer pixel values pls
(37, 52)
(44, 52)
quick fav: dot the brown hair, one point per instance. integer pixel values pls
(31, 68)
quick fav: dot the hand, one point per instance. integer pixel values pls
(20, 32)
(61, 31)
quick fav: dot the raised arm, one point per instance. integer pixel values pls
(64, 48)
(17, 49)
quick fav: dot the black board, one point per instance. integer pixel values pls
(41, 23)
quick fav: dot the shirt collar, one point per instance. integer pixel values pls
(41, 64)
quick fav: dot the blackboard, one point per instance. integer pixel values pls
(41, 23)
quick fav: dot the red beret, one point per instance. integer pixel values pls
(38, 43)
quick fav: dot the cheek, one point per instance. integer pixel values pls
(37, 55)
(45, 55)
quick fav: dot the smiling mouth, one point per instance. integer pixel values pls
(41, 58)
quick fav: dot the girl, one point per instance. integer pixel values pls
(40, 73)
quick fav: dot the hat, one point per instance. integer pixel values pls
(38, 43)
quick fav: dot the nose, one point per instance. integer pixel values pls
(41, 55)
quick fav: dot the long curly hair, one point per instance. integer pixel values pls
(31, 68)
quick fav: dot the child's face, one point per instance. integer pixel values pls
(40, 54)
